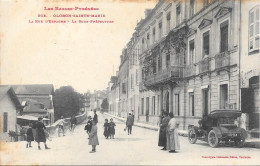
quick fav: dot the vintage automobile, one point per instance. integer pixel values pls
(218, 126)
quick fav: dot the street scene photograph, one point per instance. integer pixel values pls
(112, 82)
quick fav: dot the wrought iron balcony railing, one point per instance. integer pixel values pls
(222, 60)
(204, 65)
(164, 75)
(189, 70)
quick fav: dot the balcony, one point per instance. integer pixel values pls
(222, 60)
(204, 66)
(189, 70)
(164, 75)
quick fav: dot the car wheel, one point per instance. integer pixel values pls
(240, 143)
(213, 140)
(192, 136)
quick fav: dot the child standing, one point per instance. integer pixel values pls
(112, 128)
(106, 129)
(93, 138)
(29, 136)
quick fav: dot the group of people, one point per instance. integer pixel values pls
(40, 134)
(109, 129)
(168, 133)
(91, 129)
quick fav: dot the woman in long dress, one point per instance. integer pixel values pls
(40, 134)
(162, 132)
(173, 142)
(93, 138)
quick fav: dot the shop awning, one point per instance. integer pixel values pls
(31, 118)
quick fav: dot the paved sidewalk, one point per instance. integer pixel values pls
(252, 142)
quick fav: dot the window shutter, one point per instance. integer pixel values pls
(251, 19)
(257, 14)
(257, 28)
(169, 16)
(257, 42)
(5, 127)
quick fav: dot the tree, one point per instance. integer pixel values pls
(104, 104)
(67, 102)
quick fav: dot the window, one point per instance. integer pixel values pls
(160, 29)
(223, 96)
(168, 22)
(123, 88)
(192, 4)
(154, 34)
(147, 106)
(159, 63)
(143, 45)
(177, 104)
(178, 14)
(136, 76)
(191, 103)
(191, 52)
(224, 36)
(205, 44)
(158, 104)
(132, 81)
(142, 106)
(168, 59)
(5, 125)
(148, 40)
(254, 27)
(153, 105)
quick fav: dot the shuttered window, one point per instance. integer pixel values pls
(5, 125)
(254, 29)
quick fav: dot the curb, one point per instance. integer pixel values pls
(135, 124)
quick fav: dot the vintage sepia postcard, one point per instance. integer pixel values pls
(129, 82)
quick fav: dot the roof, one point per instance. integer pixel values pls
(8, 90)
(34, 89)
(225, 113)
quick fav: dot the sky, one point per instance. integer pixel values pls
(78, 54)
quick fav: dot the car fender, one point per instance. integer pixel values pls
(217, 131)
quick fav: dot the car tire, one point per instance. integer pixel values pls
(192, 136)
(241, 142)
(213, 140)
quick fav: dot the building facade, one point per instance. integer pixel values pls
(10, 107)
(191, 58)
(250, 65)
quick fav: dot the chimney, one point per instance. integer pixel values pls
(147, 12)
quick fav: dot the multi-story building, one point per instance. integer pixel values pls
(113, 96)
(193, 55)
(123, 84)
(192, 65)
(250, 64)
(133, 77)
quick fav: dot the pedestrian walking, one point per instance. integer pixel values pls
(73, 123)
(106, 129)
(95, 116)
(29, 136)
(112, 128)
(93, 138)
(129, 123)
(162, 133)
(173, 142)
(40, 134)
(89, 125)
(61, 126)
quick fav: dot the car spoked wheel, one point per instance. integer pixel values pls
(213, 139)
(241, 142)
(192, 136)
